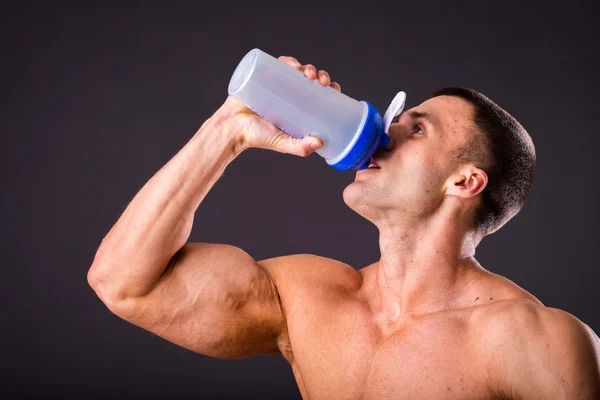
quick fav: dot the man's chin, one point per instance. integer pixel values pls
(360, 206)
(356, 196)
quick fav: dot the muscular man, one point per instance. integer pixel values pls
(426, 321)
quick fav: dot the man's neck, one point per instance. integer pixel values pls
(424, 266)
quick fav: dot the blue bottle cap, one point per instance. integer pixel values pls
(371, 137)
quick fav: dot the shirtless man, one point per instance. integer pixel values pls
(426, 321)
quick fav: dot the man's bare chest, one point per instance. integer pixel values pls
(339, 353)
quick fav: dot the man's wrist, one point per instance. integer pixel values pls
(229, 127)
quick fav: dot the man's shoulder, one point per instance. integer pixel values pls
(530, 345)
(310, 271)
(526, 318)
(527, 313)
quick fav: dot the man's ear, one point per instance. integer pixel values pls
(467, 182)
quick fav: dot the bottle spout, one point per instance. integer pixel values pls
(385, 140)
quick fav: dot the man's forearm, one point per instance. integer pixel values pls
(158, 221)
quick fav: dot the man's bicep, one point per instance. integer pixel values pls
(213, 299)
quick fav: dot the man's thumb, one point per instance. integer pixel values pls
(301, 147)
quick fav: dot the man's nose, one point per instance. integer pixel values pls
(397, 133)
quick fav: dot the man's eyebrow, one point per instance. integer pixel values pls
(413, 114)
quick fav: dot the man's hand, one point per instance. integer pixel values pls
(257, 132)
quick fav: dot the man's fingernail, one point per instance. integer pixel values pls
(314, 145)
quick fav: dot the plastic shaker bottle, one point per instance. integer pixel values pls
(351, 130)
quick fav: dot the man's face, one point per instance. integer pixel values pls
(413, 171)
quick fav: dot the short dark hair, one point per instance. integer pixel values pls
(501, 147)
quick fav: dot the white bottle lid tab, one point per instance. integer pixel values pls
(395, 108)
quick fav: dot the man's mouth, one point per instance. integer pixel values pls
(373, 164)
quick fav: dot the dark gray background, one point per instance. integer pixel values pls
(96, 100)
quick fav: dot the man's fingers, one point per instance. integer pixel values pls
(291, 61)
(310, 71)
(336, 86)
(324, 78)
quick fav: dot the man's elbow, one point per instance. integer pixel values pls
(112, 295)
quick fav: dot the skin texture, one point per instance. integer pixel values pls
(425, 321)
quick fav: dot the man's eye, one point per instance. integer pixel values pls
(417, 129)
